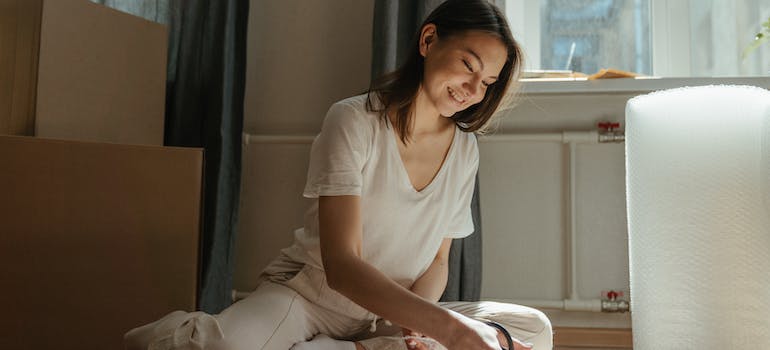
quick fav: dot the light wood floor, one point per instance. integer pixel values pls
(569, 338)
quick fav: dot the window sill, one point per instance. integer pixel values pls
(627, 85)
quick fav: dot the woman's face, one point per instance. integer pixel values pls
(458, 69)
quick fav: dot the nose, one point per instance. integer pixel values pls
(472, 88)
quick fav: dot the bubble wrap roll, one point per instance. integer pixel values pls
(698, 192)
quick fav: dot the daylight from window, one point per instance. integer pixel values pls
(698, 38)
(584, 36)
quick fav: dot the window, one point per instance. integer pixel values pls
(673, 38)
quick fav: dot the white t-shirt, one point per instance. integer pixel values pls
(357, 154)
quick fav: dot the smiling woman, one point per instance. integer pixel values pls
(447, 45)
(391, 177)
(455, 68)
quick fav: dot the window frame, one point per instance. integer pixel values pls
(670, 36)
(639, 85)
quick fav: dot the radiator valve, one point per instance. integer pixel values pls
(609, 132)
(613, 303)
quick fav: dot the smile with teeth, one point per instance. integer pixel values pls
(455, 96)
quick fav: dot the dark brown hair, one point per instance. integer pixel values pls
(397, 90)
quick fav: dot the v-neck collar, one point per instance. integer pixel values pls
(405, 174)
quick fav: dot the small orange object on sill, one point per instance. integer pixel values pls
(611, 73)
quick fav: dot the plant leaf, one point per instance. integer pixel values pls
(761, 37)
(758, 41)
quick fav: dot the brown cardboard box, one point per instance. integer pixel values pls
(97, 75)
(19, 43)
(95, 239)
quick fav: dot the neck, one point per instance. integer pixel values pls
(427, 119)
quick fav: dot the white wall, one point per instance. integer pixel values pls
(523, 201)
(305, 54)
(524, 205)
(302, 56)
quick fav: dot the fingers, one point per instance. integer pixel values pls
(411, 333)
(411, 343)
(414, 344)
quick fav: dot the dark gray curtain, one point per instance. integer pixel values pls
(464, 283)
(204, 108)
(395, 23)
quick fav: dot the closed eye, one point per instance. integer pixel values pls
(468, 65)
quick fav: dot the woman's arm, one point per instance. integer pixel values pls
(348, 274)
(432, 283)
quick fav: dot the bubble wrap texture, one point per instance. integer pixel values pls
(698, 192)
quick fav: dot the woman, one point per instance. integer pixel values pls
(393, 173)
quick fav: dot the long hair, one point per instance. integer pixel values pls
(397, 91)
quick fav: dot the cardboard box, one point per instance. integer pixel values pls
(19, 44)
(98, 74)
(95, 239)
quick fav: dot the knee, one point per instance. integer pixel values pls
(531, 325)
(543, 339)
(544, 321)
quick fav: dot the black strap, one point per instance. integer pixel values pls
(504, 331)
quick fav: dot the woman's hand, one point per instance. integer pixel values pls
(470, 334)
(413, 344)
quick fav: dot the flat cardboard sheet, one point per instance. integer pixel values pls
(96, 239)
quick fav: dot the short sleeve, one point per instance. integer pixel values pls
(461, 224)
(338, 154)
